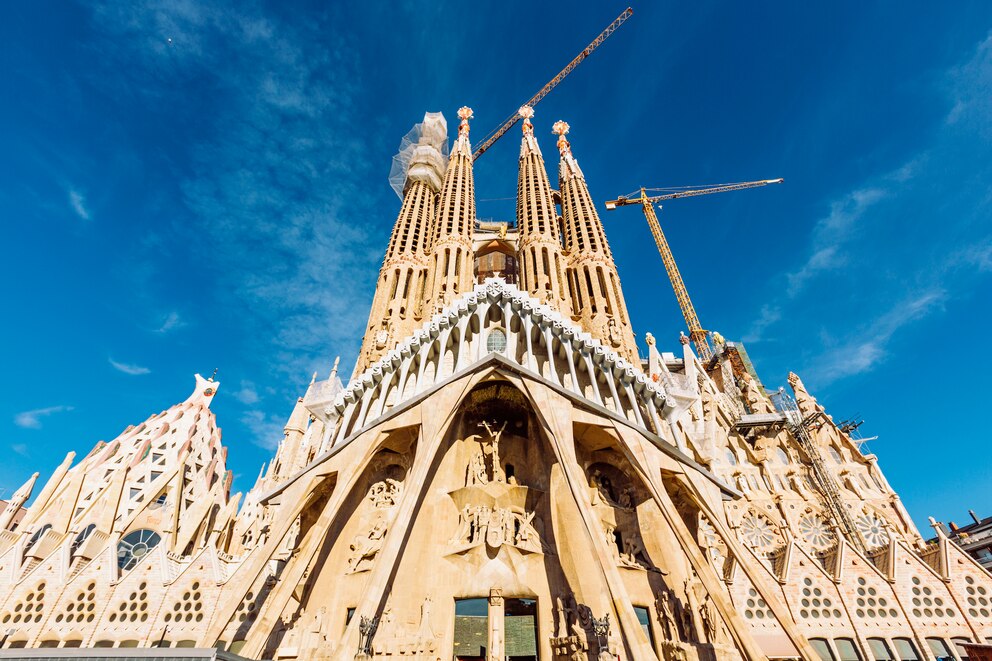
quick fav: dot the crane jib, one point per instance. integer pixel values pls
(501, 130)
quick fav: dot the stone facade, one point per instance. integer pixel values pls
(503, 477)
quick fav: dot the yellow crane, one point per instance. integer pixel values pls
(697, 334)
(508, 123)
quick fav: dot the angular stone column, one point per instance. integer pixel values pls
(496, 646)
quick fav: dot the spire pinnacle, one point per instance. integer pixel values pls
(528, 144)
(465, 114)
(560, 128)
(568, 167)
(462, 145)
(334, 369)
(527, 112)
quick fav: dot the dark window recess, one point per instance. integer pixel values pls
(644, 619)
(520, 629)
(822, 648)
(471, 629)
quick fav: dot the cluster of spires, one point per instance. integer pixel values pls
(564, 259)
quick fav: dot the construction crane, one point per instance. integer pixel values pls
(697, 334)
(500, 130)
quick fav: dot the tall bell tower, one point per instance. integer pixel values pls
(450, 271)
(597, 299)
(542, 265)
(397, 308)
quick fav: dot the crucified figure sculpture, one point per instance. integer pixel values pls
(494, 435)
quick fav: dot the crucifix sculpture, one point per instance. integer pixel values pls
(494, 435)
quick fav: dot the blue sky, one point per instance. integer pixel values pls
(186, 186)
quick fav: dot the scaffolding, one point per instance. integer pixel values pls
(801, 429)
(428, 142)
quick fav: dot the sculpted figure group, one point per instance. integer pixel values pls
(384, 495)
(497, 526)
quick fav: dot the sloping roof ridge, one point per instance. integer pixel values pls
(494, 288)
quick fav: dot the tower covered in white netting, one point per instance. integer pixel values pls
(423, 154)
(416, 176)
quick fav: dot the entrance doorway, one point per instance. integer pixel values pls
(508, 627)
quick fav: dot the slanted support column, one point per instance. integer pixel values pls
(570, 356)
(593, 374)
(650, 473)
(433, 427)
(552, 368)
(554, 412)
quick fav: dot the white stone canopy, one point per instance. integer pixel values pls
(456, 339)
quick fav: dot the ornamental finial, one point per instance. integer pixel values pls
(560, 128)
(526, 112)
(465, 114)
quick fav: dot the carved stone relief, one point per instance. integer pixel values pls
(411, 640)
(383, 497)
(615, 501)
(627, 546)
(497, 526)
(712, 544)
(490, 505)
(604, 492)
(576, 629)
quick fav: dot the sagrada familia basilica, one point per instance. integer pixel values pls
(505, 476)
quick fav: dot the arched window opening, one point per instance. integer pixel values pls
(496, 341)
(604, 290)
(135, 546)
(590, 290)
(81, 538)
(39, 533)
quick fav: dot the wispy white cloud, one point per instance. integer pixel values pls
(32, 419)
(78, 203)
(127, 368)
(266, 429)
(971, 89)
(769, 315)
(895, 250)
(828, 245)
(282, 182)
(869, 345)
(832, 232)
(19, 448)
(172, 321)
(247, 394)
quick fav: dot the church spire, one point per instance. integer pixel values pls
(16, 502)
(396, 306)
(542, 266)
(452, 260)
(592, 275)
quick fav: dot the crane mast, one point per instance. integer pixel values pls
(698, 335)
(501, 130)
(696, 332)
